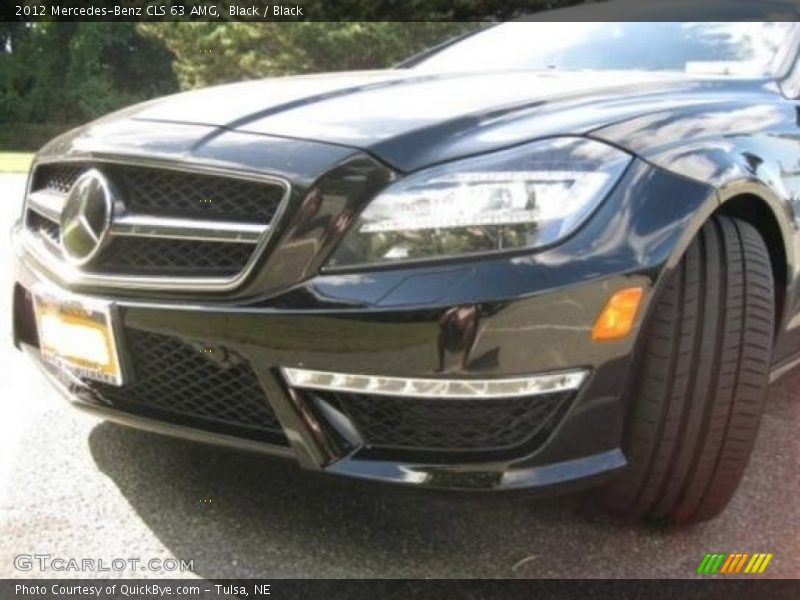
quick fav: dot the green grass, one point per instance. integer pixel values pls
(15, 162)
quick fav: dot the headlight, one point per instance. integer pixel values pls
(525, 197)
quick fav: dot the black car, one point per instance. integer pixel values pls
(542, 256)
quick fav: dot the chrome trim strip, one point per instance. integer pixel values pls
(67, 275)
(70, 276)
(411, 387)
(187, 229)
(48, 204)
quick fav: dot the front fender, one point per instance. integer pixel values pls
(740, 149)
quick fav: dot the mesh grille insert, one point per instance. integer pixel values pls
(162, 256)
(177, 381)
(57, 177)
(449, 424)
(180, 194)
(190, 195)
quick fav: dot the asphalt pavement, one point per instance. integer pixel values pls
(73, 486)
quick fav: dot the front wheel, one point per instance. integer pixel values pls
(697, 393)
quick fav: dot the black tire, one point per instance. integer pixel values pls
(698, 390)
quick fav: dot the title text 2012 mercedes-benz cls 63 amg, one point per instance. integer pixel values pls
(543, 256)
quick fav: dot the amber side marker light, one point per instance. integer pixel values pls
(618, 315)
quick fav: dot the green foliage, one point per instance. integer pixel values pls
(29, 137)
(70, 72)
(410, 10)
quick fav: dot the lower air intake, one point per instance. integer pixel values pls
(450, 425)
(189, 384)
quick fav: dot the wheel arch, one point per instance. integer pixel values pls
(755, 209)
(772, 216)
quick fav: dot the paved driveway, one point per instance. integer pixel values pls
(76, 487)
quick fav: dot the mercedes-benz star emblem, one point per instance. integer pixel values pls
(86, 217)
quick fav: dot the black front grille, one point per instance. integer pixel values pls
(192, 384)
(179, 258)
(57, 177)
(167, 193)
(163, 192)
(448, 425)
(170, 193)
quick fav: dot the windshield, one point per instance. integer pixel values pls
(737, 49)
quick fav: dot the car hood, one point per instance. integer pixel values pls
(410, 118)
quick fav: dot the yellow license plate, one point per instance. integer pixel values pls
(78, 335)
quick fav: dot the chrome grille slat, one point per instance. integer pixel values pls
(187, 229)
(47, 229)
(47, 203)
(184, 210)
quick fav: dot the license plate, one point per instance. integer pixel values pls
(77, 334)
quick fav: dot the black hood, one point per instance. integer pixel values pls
(410, 119)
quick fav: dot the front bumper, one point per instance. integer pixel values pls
(505, 317)
(576, 443)
(565, 475)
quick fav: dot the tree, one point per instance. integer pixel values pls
(68, 72)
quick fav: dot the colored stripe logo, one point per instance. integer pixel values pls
(732, 563)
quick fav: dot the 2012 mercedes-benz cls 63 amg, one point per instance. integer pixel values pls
(540, 256)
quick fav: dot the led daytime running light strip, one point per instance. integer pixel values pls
(436, 388)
